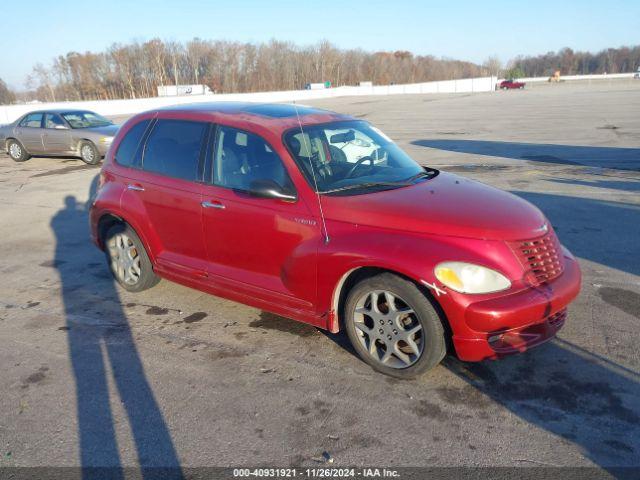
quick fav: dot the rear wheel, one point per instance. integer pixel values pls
(89, 153)
(128, 260)
(393, 326)
(16, 151)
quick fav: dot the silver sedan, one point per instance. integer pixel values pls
(63, 133)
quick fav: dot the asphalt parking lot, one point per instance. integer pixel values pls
(174, 376)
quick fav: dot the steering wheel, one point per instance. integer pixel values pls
(358, 163)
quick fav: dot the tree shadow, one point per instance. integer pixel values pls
(631, 185)
(602, 157)
(563, 388)
(99, 339)
(581, 397)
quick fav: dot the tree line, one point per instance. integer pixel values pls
(569, 62)
(136, 69)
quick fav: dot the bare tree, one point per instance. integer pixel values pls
(493, 65)
(6, 94)
(136, 70)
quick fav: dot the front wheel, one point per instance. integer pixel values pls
(128, 260)
(16, 151)
(394, 327)
(89, 153)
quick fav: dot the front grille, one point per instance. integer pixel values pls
(557, 318)
(541, 258)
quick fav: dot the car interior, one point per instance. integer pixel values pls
(242, 158)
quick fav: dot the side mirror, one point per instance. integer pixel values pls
(270, 189)
(59, 127)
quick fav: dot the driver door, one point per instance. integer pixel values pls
(263, 247)
(56, 135)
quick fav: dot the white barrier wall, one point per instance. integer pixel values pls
(578, 77)
(9, 113)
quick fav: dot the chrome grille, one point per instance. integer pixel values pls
(541, 258)
(557, 318)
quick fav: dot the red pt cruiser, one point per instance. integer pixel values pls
(320, 217)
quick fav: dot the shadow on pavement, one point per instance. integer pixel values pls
(602, 157)
(631, 185)
(100, 342)
(598, 230)
(567, 391)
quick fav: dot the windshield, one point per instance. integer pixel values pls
(351, 156)
(86, 120)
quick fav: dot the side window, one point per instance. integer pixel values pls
(241, 157)
(173, 148)
(33, 120)
(128, 153)
(51, 120)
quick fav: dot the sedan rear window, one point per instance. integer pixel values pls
(173, 148)
(33, 120)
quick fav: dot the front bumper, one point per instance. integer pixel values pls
(516, 322)
(103, 148)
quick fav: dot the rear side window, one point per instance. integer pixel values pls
(128, 153)
(33, 120)
(173, 148)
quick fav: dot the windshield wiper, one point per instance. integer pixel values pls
(367, 185)
(424, 173)
(402, 183)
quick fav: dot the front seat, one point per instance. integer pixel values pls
(233, 170)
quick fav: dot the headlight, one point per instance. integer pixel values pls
(469, 278)
(106, 140)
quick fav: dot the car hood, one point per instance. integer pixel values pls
(444, 205)
(108, 130)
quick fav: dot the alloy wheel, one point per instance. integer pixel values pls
(125, 259)
(389, 329)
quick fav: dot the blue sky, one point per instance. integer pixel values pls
(36, 31)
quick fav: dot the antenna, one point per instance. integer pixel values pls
(313, 174)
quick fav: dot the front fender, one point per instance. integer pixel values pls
(412, 255)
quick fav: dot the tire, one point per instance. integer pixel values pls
(89, 153)
(412, 311)
(16, 151)
(128, 260)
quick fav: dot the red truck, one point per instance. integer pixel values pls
(511, 84)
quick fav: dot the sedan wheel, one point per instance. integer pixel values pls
(89, 154)
(16, 151)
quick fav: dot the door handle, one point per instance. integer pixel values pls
(135, 188)
(213, 205)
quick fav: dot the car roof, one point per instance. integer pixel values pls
(279, 116)
(58, 110)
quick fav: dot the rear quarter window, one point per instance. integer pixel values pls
(128, 153)
(173, 148)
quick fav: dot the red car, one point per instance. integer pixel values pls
(511, 84)
(266, 205)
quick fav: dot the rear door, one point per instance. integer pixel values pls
(56, 135)
(29, 132)
(169, 189)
